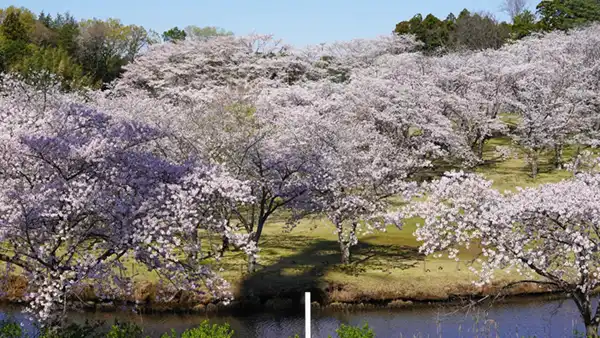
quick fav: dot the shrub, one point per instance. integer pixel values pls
(205, 330)
(347, 331)
(10, 329)
(73, 330)
(125, 330)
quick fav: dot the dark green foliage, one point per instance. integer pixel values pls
(477, 32)
(82, 53)
(174, 34)
(13, 40)
(13, 29)
(435, 32)
(464, 14)
(87, 330)
(53, 61)
(96, 330)
(95, 58)
(125, 330)
(480, 31)
(468, 31)
(431, 31)
(67, 31)
(45, 19)
(10, 329)
(567, 14)
(12, 52)
(523, 25)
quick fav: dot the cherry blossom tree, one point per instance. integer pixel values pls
(347, 178)
(552, 85)
(584, 50)
(372, 137)
(220, 108)
(41, 94)
(474, 85)
(82, 192)
(549, 234)
(341, 58)
(466, 91)
(189, 70)
(548, 113)
(245, 134)
(266, 147)
(411, 88)
(543, 95)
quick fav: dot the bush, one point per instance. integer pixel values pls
(73, 330)
(125, 330)
(346, 331)
(205, 330)
(10, 329)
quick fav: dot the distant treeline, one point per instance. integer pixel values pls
(475, 31)
(86, 52)
(90, 52)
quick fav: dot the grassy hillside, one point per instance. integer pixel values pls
(385, 265)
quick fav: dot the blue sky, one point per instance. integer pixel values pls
(298, 22)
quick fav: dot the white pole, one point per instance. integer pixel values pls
(307, 315)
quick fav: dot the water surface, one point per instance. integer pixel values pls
(523, 317)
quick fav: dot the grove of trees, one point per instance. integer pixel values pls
(199, 141)
(477, 31)
(84, 52)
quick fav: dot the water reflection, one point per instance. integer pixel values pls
(518, 318)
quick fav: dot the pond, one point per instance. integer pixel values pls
(520, 317)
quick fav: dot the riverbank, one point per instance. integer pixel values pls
(539, 316)
(293, 301)
(387, 272)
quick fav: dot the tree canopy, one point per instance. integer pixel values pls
(476, 31)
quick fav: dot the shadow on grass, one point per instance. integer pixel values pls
(499, 167)
(305, 270)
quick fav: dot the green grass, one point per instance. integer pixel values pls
(514, 172)
(386, 265)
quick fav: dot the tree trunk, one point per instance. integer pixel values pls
(576, 160)
(480, 143)
(477, 147)
(591, 330)
(346, 243)
(345, 249)
(224, 246)
(251, 264)
(558, 150)
(534, 165)
(591, 321)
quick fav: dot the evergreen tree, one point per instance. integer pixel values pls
(523, 25)
(567, 14)
(13, 29)
(13, 41)
(174, 34)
